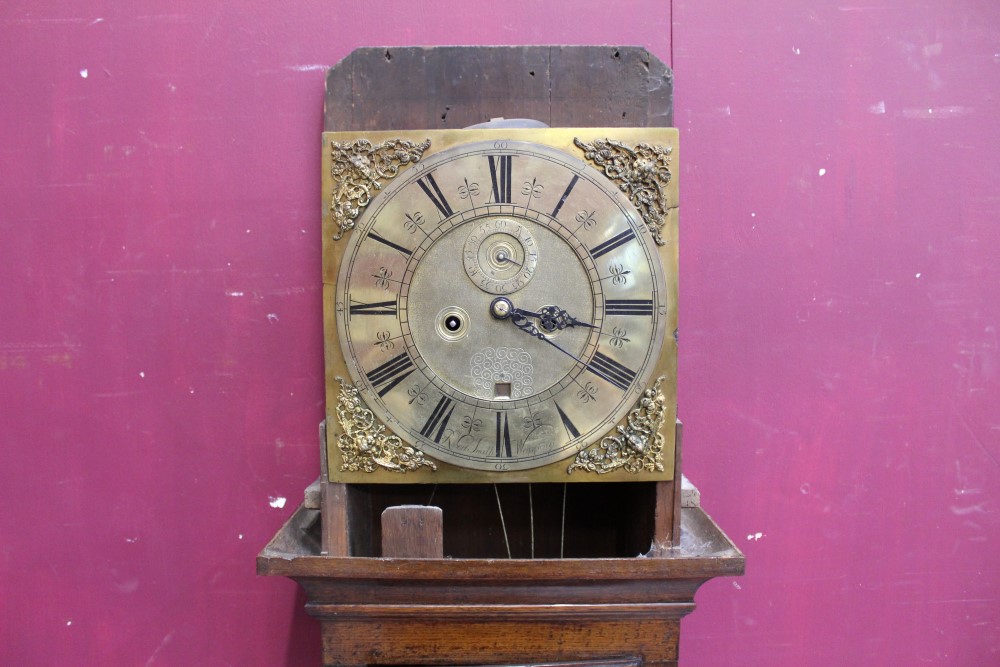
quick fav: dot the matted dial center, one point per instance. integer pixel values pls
(462, 331)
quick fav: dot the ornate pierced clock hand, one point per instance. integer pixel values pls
(502, 309)
(558, 318)
(524, 325)
(553, 318)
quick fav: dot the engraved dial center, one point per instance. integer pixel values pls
(458, 326)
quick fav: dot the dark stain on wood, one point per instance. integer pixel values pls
(418, 88)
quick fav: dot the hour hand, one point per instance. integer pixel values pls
(503, 309)
(554, 318)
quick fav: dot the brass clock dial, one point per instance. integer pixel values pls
(501, 305)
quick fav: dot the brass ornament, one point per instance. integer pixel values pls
(642, 173)
(358, 167)
(638, 444)
(364, 445)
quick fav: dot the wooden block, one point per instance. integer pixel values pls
(663, 519)
(420, 88)
(412, 531)
(667, 514)
(334, 512)
(605, 86)
(675, 532)
(690, 495)
(333, 506)
(313, 495)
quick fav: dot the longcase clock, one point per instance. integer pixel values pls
(500, 314)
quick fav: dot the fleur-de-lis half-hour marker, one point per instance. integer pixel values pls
(413, 221)
(587, 393)
(532, 189)
(383, 340)
(468, 189)
(586, 219)
(619, 336)
(619, 274)
(382, 277)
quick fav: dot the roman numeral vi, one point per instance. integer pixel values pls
(503, 435)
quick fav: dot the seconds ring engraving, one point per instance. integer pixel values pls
(500, 256)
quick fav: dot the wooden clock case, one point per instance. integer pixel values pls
(604, 583)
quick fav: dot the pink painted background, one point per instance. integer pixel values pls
(160, 332)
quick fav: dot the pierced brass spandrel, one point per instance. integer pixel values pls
(358, 167)
(364, 445)
(638, 443)
(642, 173)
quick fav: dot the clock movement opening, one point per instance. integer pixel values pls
(592, 520)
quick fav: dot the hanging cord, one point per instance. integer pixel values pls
(502, 524)
(531, 514)
(433, 491)
(562, 532)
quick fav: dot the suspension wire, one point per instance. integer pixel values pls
(562, 532)
(531, 514)
(502, 524)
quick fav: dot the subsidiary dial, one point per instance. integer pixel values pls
(500, 256)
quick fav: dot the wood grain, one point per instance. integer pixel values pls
(481, 638)
(456, 611)
(333, 505)
(418, 88)
(412, 531)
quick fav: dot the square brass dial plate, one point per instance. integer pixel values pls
(500, 305)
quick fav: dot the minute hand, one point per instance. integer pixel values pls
(522, 323)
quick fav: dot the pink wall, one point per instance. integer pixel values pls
(160, 349)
